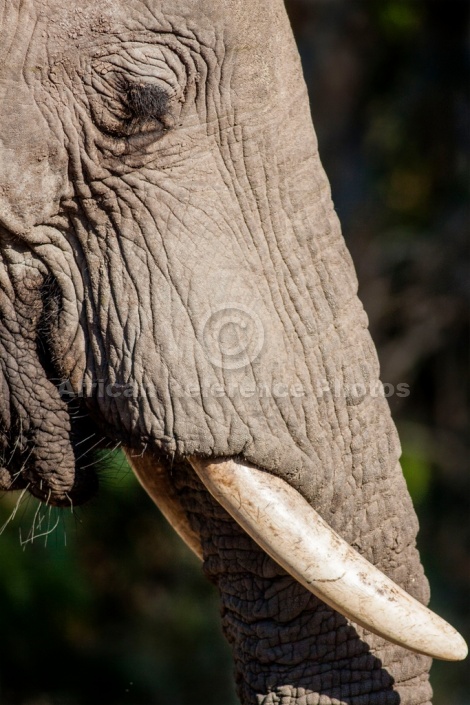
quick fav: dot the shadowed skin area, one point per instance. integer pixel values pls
(169, 251)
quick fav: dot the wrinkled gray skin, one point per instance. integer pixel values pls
(161, 191)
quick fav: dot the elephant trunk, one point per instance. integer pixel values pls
(281, 522)
(289, 647)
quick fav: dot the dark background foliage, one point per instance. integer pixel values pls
(110, 608)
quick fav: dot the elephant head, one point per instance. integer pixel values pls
(173, 279)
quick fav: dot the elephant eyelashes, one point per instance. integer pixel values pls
(147, 101)
(146, 104)
(127, 108)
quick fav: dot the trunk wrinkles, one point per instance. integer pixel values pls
(282, 635)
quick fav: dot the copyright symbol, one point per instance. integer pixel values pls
(232, 336)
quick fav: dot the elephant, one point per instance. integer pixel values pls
(173, 280)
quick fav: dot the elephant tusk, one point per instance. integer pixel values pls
(153, 476)
(282, 522)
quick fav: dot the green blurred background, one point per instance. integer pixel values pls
(111, 608)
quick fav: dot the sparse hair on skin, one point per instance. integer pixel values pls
(48, 521)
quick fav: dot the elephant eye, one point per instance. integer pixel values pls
(146, 107)
(146, 101)
(124, 107)
(136, 90)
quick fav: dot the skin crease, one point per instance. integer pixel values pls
(160, 184)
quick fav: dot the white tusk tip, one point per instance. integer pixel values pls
(458, 649)
(280, 520)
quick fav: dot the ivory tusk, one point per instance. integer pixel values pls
(282, 522)
(153, 476)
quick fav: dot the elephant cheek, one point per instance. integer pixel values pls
(33, 169)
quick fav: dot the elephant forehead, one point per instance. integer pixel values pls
(110, 15)
(251, 35)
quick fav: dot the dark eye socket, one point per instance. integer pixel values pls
(146, 101)
(124, 106)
